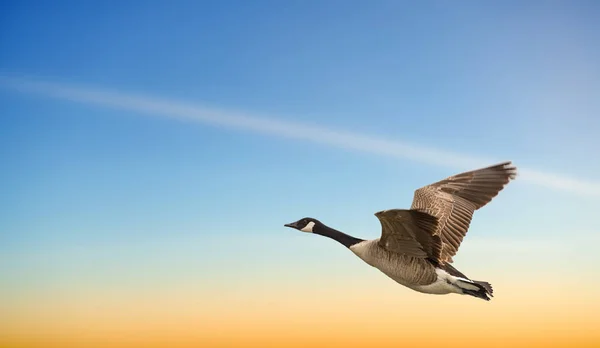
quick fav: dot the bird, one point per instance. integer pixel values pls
(417, 245)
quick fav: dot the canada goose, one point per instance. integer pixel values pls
(417, 244)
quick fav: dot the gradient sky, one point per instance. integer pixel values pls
(122, 225)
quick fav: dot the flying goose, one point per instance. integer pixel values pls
(417, 244)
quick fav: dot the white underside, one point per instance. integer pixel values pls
(444, 284)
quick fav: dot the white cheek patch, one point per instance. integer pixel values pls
(308, 227)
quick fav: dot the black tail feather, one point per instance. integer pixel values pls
(484, 289)
(487, 286)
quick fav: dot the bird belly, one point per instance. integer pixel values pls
(444, 284)
(414, 273)
(439, 287)
(403, 269)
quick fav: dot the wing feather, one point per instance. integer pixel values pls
(409, 232)
(454, 200)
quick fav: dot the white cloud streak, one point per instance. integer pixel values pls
(290, 130)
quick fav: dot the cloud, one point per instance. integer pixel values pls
(290, 130)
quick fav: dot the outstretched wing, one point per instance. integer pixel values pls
(409, 232)
(454, 200)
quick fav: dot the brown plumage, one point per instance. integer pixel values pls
(409, 232)
(441, 213)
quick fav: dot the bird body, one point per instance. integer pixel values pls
(415, 273)
(417, 244)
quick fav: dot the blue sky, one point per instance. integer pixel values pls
(500, 80)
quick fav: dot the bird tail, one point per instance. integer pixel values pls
(476, 288)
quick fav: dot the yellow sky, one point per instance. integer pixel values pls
(525, 313)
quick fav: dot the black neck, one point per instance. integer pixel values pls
(341, 237)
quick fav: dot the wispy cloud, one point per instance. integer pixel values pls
(291, 130)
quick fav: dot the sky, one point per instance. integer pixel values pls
(151, 153)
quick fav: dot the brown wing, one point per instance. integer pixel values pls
(409, 232)
(454, 200)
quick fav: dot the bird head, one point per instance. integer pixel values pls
(306, 224)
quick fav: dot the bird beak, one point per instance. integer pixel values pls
(292, 225)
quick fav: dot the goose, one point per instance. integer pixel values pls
(417, 244)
